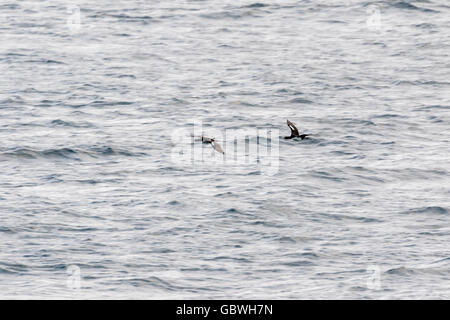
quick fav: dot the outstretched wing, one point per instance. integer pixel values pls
(213, 143)
(217, 147)
(294, 130)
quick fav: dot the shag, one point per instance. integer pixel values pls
(213, 143)
(294, 132)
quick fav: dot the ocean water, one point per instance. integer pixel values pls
(97, 202)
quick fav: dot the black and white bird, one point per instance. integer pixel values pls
(213, 143)
(294, 132)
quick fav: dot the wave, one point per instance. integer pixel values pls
(425, 26)
(12, 268)
(45, 61)
(255, 5)
(227, 15)
(420, 83)
(300, 100)
(67, 153)
(433, 107)
(350, 218)
(62, 123)
(428, 210)
(435, 268)
(408, 6)
(144, 19)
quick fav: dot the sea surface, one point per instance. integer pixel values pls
(96, 202)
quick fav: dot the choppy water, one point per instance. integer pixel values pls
(88, 183)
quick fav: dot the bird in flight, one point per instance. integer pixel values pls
(213, 143)
(294, 132)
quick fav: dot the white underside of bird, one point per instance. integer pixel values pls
(213, 143)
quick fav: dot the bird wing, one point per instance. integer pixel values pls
(294, 130)
(217, 147)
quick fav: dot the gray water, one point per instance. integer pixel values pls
(93, 204)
